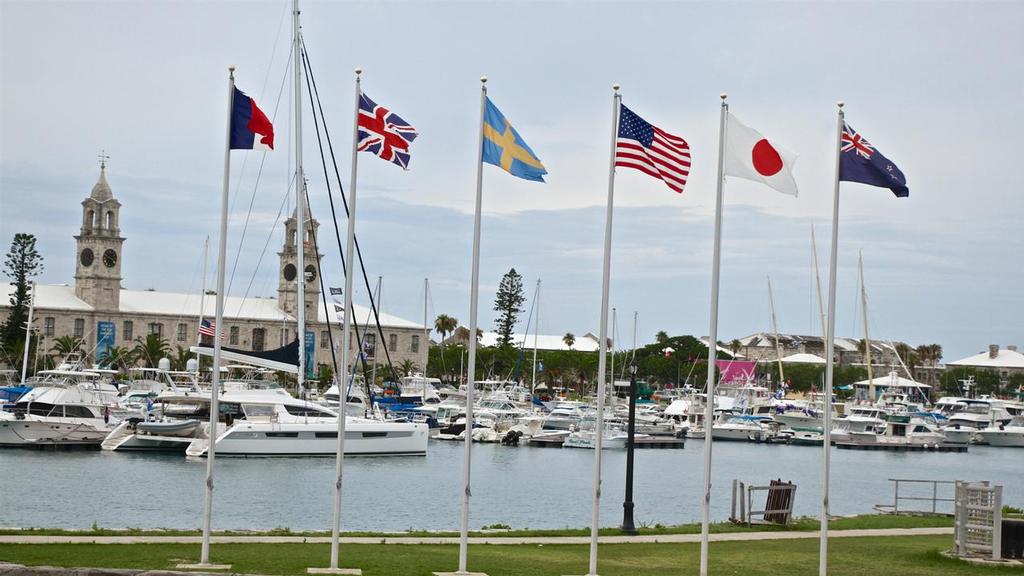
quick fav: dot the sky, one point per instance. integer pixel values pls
(936, 87)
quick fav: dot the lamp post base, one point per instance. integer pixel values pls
(628, 527)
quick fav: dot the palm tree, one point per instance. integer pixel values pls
(118, 358)
(151, 349)
(661, 337)
(408, 367)
(569, 339)
(181, 358)
(66, 345)
(735, 346)
(445, 324)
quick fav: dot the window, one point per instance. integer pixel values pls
(156, 328)
(414, 346)
(48, 327)
(323, 338)
(307, 410)
(127, 330)
(79, 327)
(182, 331)
(393, 341)
(370, 345)
(233, 336)
(258, 337)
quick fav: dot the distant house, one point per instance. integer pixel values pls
(584, 343)
(1007, 361)
(761, 346)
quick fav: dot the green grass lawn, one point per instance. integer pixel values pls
(892, 556)
(800, 524)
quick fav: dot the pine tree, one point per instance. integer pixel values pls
(22, 264)
(509, 304)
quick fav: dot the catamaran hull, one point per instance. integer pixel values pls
(361, 439)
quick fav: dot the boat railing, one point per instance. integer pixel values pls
(909, 498)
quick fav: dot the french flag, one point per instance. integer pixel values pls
(250, 128)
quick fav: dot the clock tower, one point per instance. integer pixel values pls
(288, 272)
(99, 244)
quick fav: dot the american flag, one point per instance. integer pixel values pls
(207, 328)
(384, 133)
(651, 150)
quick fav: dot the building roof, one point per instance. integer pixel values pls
(1004, 359)
(62, 297)
(794, 340)
(584, 343)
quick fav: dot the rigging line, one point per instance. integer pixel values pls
(323, 161)
(342, 397)
(359, 253)
(263, 253)
(255, 187)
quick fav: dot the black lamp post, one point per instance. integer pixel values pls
(627, 506)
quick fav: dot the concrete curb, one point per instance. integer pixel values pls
(19, 570)
(661, 538)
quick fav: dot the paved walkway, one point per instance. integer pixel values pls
(660, 538)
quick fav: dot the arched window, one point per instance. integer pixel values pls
(110, 220)
(90, 216)
(291, 237)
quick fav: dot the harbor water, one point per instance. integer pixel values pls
(520, 487)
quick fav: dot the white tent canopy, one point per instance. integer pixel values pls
(891, 380)
(804, 359)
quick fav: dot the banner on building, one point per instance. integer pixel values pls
(310, 350)
(106, 338)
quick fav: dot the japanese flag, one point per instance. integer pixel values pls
(751, 156)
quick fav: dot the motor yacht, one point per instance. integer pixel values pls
(1006, 434)
(67, 408)
(972, 416)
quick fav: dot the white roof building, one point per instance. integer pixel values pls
(1005, 359)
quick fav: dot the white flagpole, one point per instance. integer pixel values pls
(28, 332)
(346, 338)
(300, 206)
(709, 404)
(222, 249)
(536, 331)
(829, 358)
(474, 295)
(603, 356)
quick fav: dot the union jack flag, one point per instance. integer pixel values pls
(384, 133)
(856, 142)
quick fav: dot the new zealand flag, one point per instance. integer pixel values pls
(859, 161)
(384, 133)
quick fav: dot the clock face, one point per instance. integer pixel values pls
(109, 258)
(310, 273)
(289, 272)
(87, 257)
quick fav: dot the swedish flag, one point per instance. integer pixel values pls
(505, 148)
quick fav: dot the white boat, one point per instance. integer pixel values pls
(973, 415)
(1010, 434)
(68, 408)
(176, 420)
(902, 430)
(733, 427)
(859, 420)
(264, 424)
(564, 415)
(586, 437)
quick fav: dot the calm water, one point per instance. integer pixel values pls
(522, 487)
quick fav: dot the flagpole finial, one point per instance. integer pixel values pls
(483, 79)
(840, 103)
(615, 87)
(723, 96)
(359, 71)
(231, 71)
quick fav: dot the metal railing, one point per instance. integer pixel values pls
(901, 503)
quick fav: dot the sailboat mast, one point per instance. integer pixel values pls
(373, 370)
(817, 281)
(426, 336)
(614, 334)
(300, 204)
(202, 301)
(536, 331)
(775, 327)
(867, 339)
(28, 332)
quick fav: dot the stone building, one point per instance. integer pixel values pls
(761, 346)
(102, 313)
